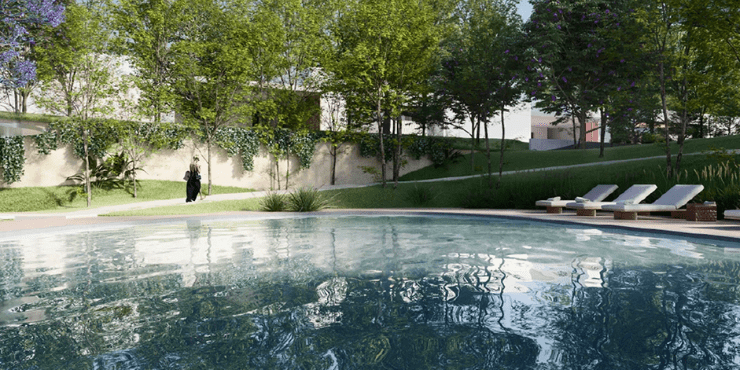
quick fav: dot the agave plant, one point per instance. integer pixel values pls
(307, 200)
(273, 202)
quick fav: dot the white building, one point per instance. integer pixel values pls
(517, 120)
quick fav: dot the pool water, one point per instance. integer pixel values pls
(354, 292)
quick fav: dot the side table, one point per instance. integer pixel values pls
(701, 212)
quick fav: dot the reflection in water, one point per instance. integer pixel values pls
(366, 292)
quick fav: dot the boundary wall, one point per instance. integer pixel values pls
(53, 169)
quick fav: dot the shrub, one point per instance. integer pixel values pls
(273, 202)
(649, 138)
(420, 195)
(721, 185)
(307, 200)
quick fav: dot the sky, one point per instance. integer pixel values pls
(524, 9)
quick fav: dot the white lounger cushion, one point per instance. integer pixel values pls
(597, 194)
(552, 203)
(732, 214)
(672, 200)
(635, 194)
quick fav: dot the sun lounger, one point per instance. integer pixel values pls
(672, 200)
(597, 194)
(732, 214)
(635, 194)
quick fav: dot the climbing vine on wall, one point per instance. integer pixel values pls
(12, 157)
(241, 141)
(101, 135)
(438, 149)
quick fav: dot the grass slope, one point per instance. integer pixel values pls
(521, 160)
(519, 190)
(69, 198)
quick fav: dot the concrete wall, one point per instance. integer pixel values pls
(548, 144)
(53, 169)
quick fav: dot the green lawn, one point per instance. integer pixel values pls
(516, 191)
(32, 117)
(463, 144)
(70, 198)
(520, 160)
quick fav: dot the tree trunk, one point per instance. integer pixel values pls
(208, 144)
(88, 187)
(582, 117)
(503, 147)
(575, 138)
(472, 146)
(604, 119)
(397, 157)
(287, 168)
(666, 122)
(133, 172)
(333, 151)
(380, 138)
(488, 155)
(477, 136)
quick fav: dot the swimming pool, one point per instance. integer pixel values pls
(350, 292)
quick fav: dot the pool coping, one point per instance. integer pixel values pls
(727, 231)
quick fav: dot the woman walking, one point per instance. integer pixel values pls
(193, 177)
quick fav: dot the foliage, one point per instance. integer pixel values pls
(420, 195)
(107, 175)
(79, 77)
(12, 157)
(296, 39)
(241, 141)
(101, 136)
(439, 150)
(382, 48)
(18, 18)
(273, 202)
(581, 53)
(721, 183)
(306, 199)
(648, 138)
(146, 30)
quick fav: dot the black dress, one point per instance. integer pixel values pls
(193, 187)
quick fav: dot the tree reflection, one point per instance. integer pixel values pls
(284, 310)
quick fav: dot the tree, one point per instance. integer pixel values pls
(573, 66)
(212, 67)
(674, 36)
(138, 140)
(479, 74)
(18, 17)
(79, 78)
(501, 34)
(381, 48)
(289, 78)
(338, 130)
(426, 108)
(146, 31)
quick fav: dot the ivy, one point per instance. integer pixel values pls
(437, 149)
(238, 140)
(304, 146)
(12, 157)
(46, 142)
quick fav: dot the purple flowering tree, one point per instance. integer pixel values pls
(575, 59)
(18, 17)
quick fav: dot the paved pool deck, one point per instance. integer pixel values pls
(726, 231)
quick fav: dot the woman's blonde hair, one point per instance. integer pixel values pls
(194, 165)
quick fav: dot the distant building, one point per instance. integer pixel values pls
(546, 136)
